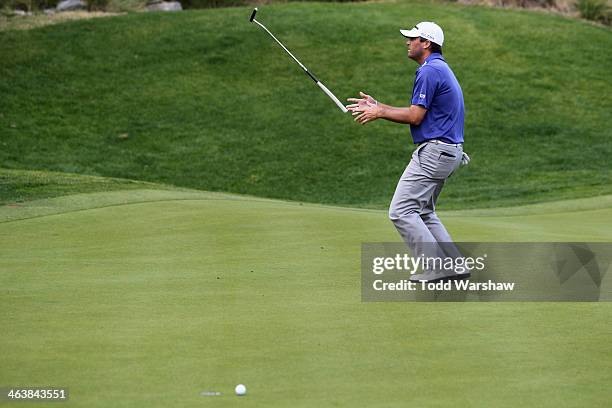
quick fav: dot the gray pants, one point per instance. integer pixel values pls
(413, 207)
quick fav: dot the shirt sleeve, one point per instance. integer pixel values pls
(425, 86)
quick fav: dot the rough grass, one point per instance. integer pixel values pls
(41, 20)
(205, 100)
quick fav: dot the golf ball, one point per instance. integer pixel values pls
(240, 389)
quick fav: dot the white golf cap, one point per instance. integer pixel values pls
(426, 29)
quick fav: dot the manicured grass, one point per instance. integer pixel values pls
(148, 304)
(21, 186)
(30, 194)
(206, 100)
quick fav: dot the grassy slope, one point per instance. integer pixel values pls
(169, 293)
(208, 101)
(21, 187)
(30, 194)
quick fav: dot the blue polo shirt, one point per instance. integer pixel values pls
(437, 90)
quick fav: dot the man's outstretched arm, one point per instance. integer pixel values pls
(367, 109)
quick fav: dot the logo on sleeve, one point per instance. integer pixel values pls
(421, 96)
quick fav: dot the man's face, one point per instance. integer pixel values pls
(415, 48)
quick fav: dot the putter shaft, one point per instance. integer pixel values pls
(310, 74)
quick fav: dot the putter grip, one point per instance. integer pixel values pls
(332, 97)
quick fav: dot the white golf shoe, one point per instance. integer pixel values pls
(434, 276)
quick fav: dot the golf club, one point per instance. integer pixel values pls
(323, 87)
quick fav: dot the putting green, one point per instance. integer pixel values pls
(154, 297)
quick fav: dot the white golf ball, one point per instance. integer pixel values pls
(240, 389)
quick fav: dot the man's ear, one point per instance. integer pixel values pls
(427, 44)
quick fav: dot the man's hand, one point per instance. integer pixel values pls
(364, 98)
(365, 109)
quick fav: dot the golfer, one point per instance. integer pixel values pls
(436, 117)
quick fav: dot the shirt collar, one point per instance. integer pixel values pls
(433, 56)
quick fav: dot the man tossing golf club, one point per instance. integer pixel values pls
(435, 116)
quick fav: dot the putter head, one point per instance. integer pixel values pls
(253, 14)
